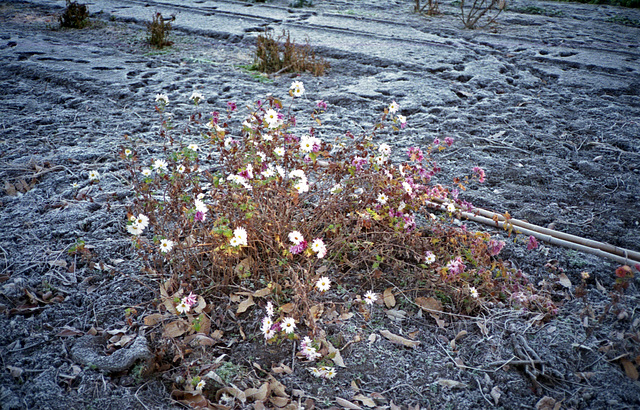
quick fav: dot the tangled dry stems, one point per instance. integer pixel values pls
(282, 55)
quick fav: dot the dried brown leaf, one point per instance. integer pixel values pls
(67, 331)
(429, 304)
(175, 329)
(61, 263)
(10, 189)
(461, 334)
(334, 353)
(153, 319)
(279, 401)
(389, 299)
(367, 401)
(244, 305)
(233, 391)
(546, 403)
(452, 384)
(201, 305)
(396, 315)
(258, 394)
(347, 404)
(262, 292)
(564, 280)
(496, 393)
(287, 307)
(399, 339)
(190, 399)
(629, 368)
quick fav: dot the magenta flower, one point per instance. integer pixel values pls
(415, 154)
(480, 173)
(232, 106)
(448, 141)
(533, 243)
(456, 266)
(495, 247)
(299, 248)
(322, 105)
(190, 300)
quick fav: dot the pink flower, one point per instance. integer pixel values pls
(321, 104)
(200, 216)
(480, 173)
(436, 141)
(232, 106)
(533, 243)
(190, 300)
(299, 248)
(409, 223)
(448, 141)
(415, 154)
(359, 162)
(495, 247)
(456, 266)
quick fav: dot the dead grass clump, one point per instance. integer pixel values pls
(282, 55)
(74, 15)
(159, 29)
(485, 11)
(431, 6)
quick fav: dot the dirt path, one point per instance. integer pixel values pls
(548, 102)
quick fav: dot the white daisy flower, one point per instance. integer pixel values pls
(182, 307)
(166, 245)
(160, 164)
(162, 99)
(134, 229)
(473, 292)
(297, 88)
(288, 325)
(384, 149)
(142, 221)
(196, 97)
(370, 298)
(430, 258)
(323, 284)
(296, 237)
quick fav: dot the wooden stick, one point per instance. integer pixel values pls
(561, 235)
(603, 250)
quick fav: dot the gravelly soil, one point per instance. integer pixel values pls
(547, 101)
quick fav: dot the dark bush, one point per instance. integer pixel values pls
(74, 15)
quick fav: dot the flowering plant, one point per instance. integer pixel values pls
(259, 201)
